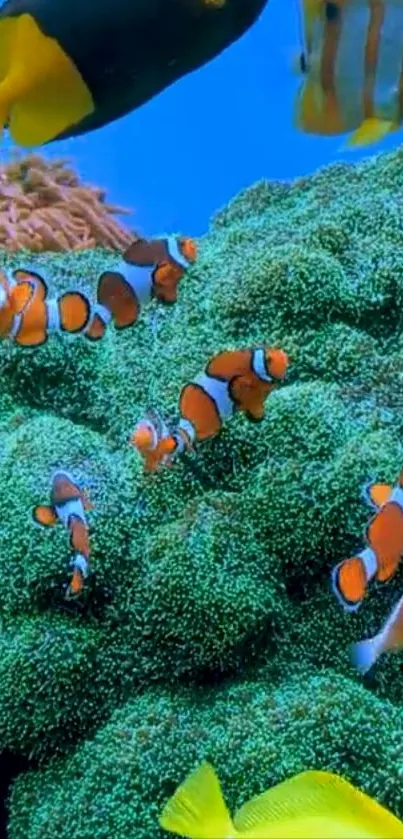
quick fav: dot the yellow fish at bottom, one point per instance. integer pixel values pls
(311, 805)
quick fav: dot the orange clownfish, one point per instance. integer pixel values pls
(352, 63)
(68, 504)
(234, 380)
(27, 316)
(381, 557)
(149, 269)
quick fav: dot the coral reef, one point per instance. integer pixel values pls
(220, 637)
(44, 207)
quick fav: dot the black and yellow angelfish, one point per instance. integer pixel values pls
(70, 66)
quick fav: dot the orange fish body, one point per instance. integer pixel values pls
(68, 505)
(27, 316)
(353, 69)
(149, 269)
(381, 558)
(154, 442)
(232, 381)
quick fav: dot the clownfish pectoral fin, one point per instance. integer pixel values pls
(86, 501)
(372, 130)
(74, 311)
(41, 93)
(376, 495)
(349, 582)
(45, 515)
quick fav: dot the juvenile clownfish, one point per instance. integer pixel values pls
(365, 653)
(310, 805)
(238, 380)
(352, 64)
(149, 269)
(381, 557)
(68, 505)
(27, 316)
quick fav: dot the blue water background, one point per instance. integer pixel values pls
(186, 153)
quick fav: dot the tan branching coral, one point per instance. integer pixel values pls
(44, 207)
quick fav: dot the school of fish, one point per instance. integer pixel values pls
(68, 67)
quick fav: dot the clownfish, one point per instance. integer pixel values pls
(149, 269)
(364, 654)
(68, 504)
(381, 557)
(352, 63)
(27, 316)
(310, 805)
(234, 380)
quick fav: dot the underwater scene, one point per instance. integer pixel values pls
(201, 419)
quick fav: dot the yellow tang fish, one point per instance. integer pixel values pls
(312, 805)
(352, 63)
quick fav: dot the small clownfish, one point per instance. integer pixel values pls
(154, 441)
(364, 654)
(27, 316)
(380, 559)
(68, 504)
(234, 380)
(149, 269)
(352, 63)
(310, 805)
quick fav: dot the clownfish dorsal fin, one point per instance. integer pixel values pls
(21, 295)
(376, 494)
(45, 514)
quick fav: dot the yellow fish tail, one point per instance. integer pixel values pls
(41, 90)
(197, 809)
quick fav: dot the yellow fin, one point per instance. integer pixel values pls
(370, 131)
(316, 805)
(197, 808)
(311, 10)
(41, 90)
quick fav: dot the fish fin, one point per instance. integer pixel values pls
(75, 311)
(197, 808)
(349, 582)
(376, 495)
(41, 91)
(372, 130)
(45, 515)
(86, 501)
(38, 283)
(118, 297)
(96, 328)
(312, 795)
(364, 654)
(21, 295)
